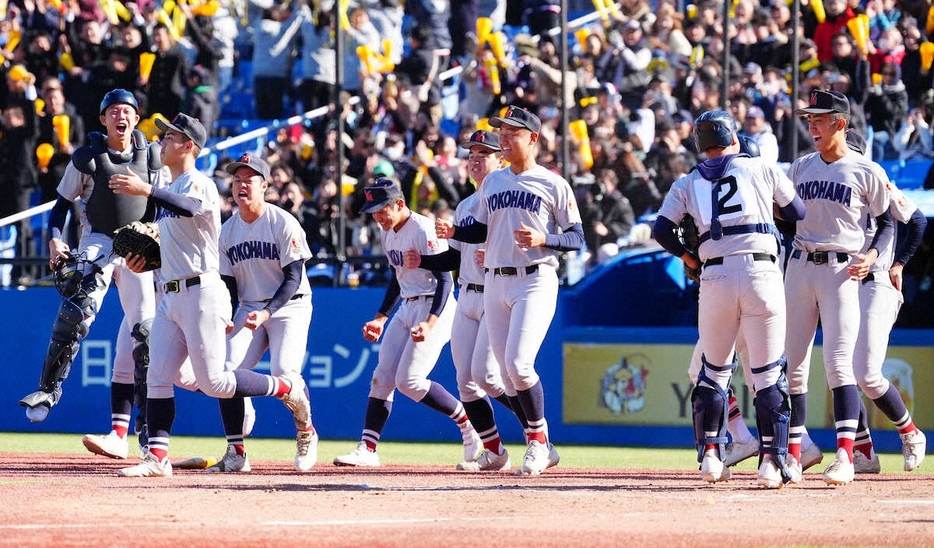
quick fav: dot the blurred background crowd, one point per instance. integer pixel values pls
(419, 75)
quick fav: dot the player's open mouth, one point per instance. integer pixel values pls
(121, 128)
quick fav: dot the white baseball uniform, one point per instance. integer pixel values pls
(255, 254)
(403, 363)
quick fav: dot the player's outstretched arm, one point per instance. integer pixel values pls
(446, 261)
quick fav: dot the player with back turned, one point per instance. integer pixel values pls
(527, 215)
(85, 182)
(840, 189)
(730, 197)
(195, 311)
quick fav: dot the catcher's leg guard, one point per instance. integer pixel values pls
(711, 410)
(70, 327)
(773, 416)
(141, 367)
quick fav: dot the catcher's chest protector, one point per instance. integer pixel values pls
(107, 211)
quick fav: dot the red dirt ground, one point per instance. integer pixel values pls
(69, 500)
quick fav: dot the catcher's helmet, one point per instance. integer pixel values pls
(748, 146)
(119, 95)
(714, 128)
(69, 273)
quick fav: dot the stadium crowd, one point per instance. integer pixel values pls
(640, 73)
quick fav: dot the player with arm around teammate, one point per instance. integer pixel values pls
(102, 212)
(840, 188)
(194, 313)
(262, 260)
(419, 329)
(731, 199)
(527, 215)
(478, 372)
(880, 298)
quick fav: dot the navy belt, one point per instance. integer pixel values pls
(512, 271)
(294, 298)
(713, 261)
(821, 257)
(476, 288)
(417, 297)
(869, 277)
(175, 286)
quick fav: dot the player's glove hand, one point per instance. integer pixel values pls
(692, 273)
(687, 233)
(140, 239)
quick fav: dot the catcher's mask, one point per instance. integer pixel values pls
(70, 273)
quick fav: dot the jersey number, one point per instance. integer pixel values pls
(722, 207)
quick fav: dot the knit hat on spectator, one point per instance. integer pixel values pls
(518, 117)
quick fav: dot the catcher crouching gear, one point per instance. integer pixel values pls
(140, 239)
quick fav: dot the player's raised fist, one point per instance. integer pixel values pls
(444, 228)
(372, 330)
(411, 259)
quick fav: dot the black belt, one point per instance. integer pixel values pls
(417, 297)
(476, 288)
(713, 261)
(512, 271)
(294, 298)
(821, 257)
(869, 277)
(175, 286)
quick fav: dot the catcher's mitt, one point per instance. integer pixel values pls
(687, 233)
(692, 274)
(141, 239)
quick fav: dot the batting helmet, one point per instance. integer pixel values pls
(119, 95)
(748, 146)
(714, 128)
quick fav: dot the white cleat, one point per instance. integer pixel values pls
(111, 445)
(866, 465)
(535, 461)
(151, 467)
(737, 452)
(297, 401)
(361, 456)
(914, 445)
(487, 461)
(473, 445)
(794, 467)
(712, 468)
(553, 457)
(810, 456)
(840, 471)
(769, 476)
(231, 462)
(306, 451)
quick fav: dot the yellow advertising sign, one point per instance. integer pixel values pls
(646, 384)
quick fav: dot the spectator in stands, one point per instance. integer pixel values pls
(201, 99)
(83, 42)
(837, 15)
(17, 172)
(886, 108)
(636, 183)
(165, 87)
(630, 64)
(615, 216)
(848, 60)
(420, 68)
(914, 140)
(917, 80)
(318, 57)
(666, 35)
(133, 43)
(208, 49)
(41, 57)
(388, 17)
(361, 33)
(226, 31)
(272, 59)
(325, 210)
(545, 71)
(759, 130)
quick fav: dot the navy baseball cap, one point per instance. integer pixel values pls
(822, 102)
(486, 139)
(186, 125)
(518, 117)
(255, 163)
(380, 194)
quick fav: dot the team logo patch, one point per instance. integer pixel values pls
(622, 389)
(245, 158)
(433, 245)
(369, 195)
(294, 244)
(813, 99)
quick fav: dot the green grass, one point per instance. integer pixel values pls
(572, 456)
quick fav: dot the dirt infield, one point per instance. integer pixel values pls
(69, 500)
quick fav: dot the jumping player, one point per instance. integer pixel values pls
(880, 298)
(527, 215)
(262, 261)
(478, 372)
(731, 197)
(193, 316)
(416, 333)
(85, 182)
(840, 188)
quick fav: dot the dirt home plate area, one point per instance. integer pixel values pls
(70, 500)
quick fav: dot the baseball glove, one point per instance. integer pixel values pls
(692, 273)
(687, 233)
(141, 239)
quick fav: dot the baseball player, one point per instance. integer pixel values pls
(416, 333)
(880, 298)
(730, 196)
(193, 316)
(85, 183)
(262, 261)
(478, 372)
(840, 188)
(527, 215)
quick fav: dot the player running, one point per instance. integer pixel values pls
(414, 337)
(527, 215)
(840, 188)
(731, 197)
